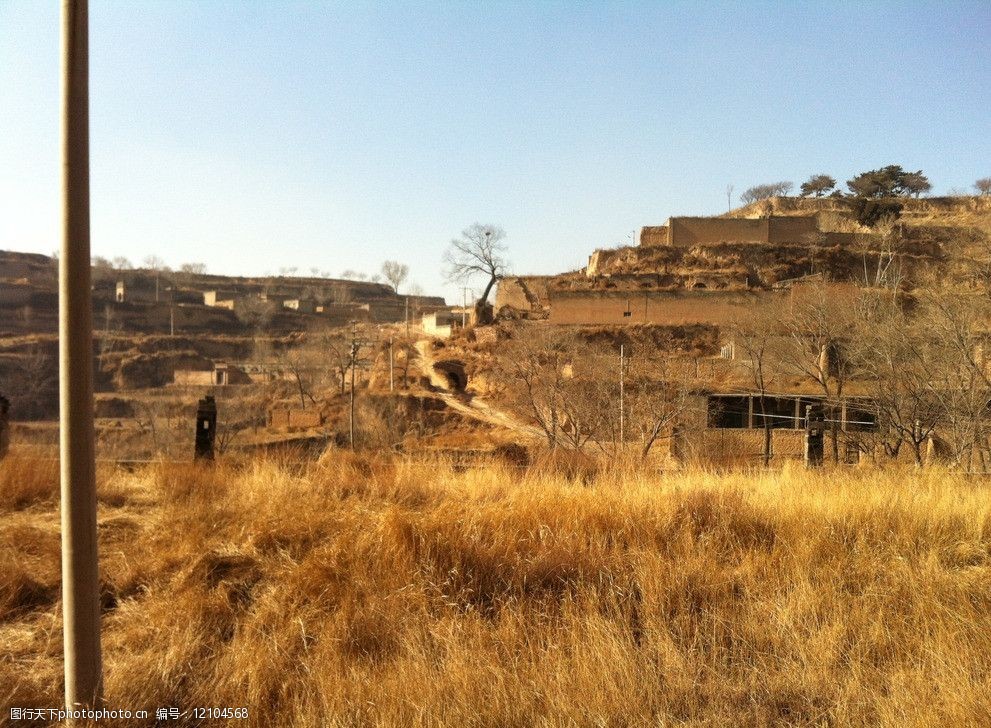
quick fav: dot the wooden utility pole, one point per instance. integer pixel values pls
(392, 385)
(354, 363)
(80, 577)
(622, 413)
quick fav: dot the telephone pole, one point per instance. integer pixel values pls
(392, 385)
(354, 363)
(80, 575)
(622, 414)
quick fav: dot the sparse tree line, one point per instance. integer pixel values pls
(392, 272)
(889, 181)
(585, 396)
(921, 360)
(917, 367)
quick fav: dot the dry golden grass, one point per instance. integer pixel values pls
(372, 591)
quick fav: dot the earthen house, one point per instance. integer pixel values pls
(220, 374)
(441, 323)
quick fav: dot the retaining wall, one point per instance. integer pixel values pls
(654, 307)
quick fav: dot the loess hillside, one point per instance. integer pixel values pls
(934, 236)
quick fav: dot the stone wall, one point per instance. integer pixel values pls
(653, 307)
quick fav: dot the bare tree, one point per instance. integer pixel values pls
(819, 323)
(657, 394)
(197, 269)
(157, 266)
(883, 266)
(103, 269)
(765, 191)
(395, 273)
(754, 338)
(956, 325)
(121, 263)
(535, 373)
(899, 359)
(479, 251)
(983, 186)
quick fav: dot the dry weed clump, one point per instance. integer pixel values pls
(28, 481)
(368, 590)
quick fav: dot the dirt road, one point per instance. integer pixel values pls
(468, 404)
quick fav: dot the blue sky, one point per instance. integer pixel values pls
(253, 136)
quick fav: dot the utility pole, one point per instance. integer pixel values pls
(406, 298)
(80, 574)
(464, 306)
(392, 385)
(622, 414)
(354, 360)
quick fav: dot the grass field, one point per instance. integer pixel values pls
(374, 591)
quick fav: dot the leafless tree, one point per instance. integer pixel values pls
(535, 373)
(883, 265)
(395, 273)
(157, 266)
(103, 269)
(658, 394)
(899, 359)
(956, 325)
(478, 252)
(121, 263)
(819, 323)
(983, 186)
(765, 191)
(754, 340)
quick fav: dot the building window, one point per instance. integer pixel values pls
(780, 413)
(627, 314)
(729, 412)
(861, 416)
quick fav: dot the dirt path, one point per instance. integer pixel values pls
(467, 404)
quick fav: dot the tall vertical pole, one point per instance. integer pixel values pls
(464, 305)
(80, 577)
(407, 316)
(622, 413)
(392, 385)
(354, 360)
